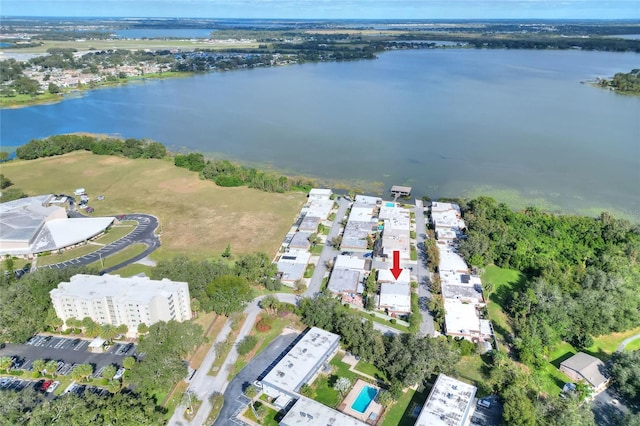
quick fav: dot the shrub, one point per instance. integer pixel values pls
(247, 344)
(392, 321)
(264, 325)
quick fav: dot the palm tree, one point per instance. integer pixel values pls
(51, 367)
(82, 372)
(108, 332)
(108, 372)
(38, 365)
(6, 363)
(92, 329)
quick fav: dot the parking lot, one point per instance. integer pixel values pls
(68, 351)
(488, 416)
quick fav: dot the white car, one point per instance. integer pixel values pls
(53, 386)
(484, 403)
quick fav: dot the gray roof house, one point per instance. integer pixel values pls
(585, 367)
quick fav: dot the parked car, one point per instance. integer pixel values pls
(53, 386)
(89, 210)
(46, 385)
(484, 403)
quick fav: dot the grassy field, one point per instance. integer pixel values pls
(197, 218)
(115, 233)
(371, 370)
(504, 281)
(134, 269)
(68, 254)
(633, 346)
(474, 369)
(401, 413)
(86, 45)
(121, 256)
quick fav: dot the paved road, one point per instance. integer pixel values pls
(626, 341)
(608, 408)
(144, 233)
(203, 385)
(422, 272)
(328, 252)
(234, 399)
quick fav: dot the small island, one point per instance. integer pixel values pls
(626, 83)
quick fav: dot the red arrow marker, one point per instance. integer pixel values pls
(396, 270)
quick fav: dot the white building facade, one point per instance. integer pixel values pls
(111, 299)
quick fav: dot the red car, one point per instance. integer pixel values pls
(46, 385)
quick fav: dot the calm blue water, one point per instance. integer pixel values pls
(514, 124)
(4, 44)
(366, 395)
(163, 33)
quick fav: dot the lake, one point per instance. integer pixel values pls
(515, 124)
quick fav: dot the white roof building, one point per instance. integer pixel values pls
(111, 299)
(308, 412)
(292, 265)
(449, 403)
(32, 225)
(463, 320)
(446, 215)
(301, 364)
(345, 281)
(395, 298)
(385, 276)
(320, 194)
(349, 262)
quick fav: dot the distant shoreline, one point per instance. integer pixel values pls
(72, 92)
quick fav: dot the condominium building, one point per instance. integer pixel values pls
(111, 299)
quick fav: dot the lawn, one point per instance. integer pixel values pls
(401, 413)
(68, 254)
(115, 233)
(474, 369)
(269, 418)
(323, 390)
(213, 324)
(633, 346)
(121, 256)
(371, 370)
(134, 269)
(604, 346)
(504, 281)
(264, 339)
(197, 217)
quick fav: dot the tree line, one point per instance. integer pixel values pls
(624, 82)
(63, 144)
(222, 172)
(405, 359)
(581, 273)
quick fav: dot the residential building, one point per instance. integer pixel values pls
(587, 368)
(345, 281)
(386, 276)
(300, 365)
(111, 299)
(300, 241)
(463, 320)
(309, 223)
(349, 262)
(306, 411)
(395, 298)
(450, 403)
(292, 265)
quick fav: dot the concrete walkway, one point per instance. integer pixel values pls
(626, 341)
(202, 384)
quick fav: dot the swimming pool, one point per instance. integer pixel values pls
(391, 204)
(366, 395)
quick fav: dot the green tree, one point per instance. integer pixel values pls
(39, 365)
(519, 410)
(53, 88)
(128, 362)
(270, 304)
(5, 363)
(51, 367)
(4, 181)
(251, 391)
(247, 344)
(228, 294)
(82, 372)
(227, 251)
(625, 373)
(4, 156)
(9, 263)
(108, 332)
(143, 328)
(109, 371)
(385, 398)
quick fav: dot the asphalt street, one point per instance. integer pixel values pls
(144, 233)
(422, 272)
(234, 399)
(328, 252)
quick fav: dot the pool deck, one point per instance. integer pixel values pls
(373, 408)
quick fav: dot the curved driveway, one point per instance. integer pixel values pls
(144, 233)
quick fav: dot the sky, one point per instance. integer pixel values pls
(329, 9)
